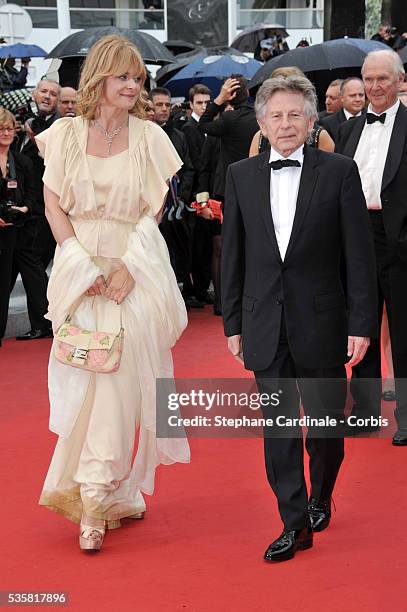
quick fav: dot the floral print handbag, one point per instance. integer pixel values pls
(96, 351)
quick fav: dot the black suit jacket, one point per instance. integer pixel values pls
(331, 218)
(332, 122)
(24, 195)
(235, 129)
(394, 183)
(30, 150)
(195, 139)
(186, 173)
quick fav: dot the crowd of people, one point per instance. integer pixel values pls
(26, 242)
(314, 250)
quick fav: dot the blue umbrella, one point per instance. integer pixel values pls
(21, 50)
(211, 71)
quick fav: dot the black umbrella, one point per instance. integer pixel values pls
(179, 46)
(165, 73)
(79, 43)
(321, 63)
(248, 39)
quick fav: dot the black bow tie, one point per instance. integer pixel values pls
(371, 118)
(285, 163)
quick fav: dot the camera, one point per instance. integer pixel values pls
(9, 215)
(37, 124)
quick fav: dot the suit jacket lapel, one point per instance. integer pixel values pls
(264, 186)
(308, 179)
(396, 146)
(352, 143)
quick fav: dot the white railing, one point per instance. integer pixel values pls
(81, 18)
(301, 19)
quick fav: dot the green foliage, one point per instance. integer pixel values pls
(373, 17)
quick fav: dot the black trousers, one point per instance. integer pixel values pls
(366, 385)
(199, 277)
(6, 267)
(323, 393)
(27, 262)
(45, 241)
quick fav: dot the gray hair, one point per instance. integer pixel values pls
(335, 83)
(45, 80)
(392, 55)
(291, 84)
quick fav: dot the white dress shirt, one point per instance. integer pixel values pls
(284, 185)
(195, 116)
(371, 155)
(348, 115)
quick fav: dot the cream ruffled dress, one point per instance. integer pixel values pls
(111, 203)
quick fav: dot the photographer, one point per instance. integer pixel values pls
(390, 36)
(17, 232)
(10, 77)
(46, 98)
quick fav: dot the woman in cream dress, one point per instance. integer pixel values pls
(106, 174)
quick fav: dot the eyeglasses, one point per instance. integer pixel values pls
(7, 129)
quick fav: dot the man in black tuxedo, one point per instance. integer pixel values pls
(289, 215)
(198, 282)
(199, 98)
(378, 144)
(352, 93)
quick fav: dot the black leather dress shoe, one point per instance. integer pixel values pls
(192, 302)
(206, 298)
(35, 334)
(389, 396)
(288, 543)
(400, 438)
(319, 513)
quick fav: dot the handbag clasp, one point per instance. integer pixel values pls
(79, 355)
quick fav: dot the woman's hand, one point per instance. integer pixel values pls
(98, 287)
(4, 224)
(119, 284)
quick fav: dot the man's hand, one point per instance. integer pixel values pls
(22, 209)
(235, 347)
(206, 213)
(119, 284)
(357, 347)
(28, 131)
(227, 92)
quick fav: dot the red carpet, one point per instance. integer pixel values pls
(200, 547)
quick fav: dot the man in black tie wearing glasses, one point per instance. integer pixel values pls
(289, 215)
(378, 144)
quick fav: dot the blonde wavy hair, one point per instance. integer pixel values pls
(110, 56)
(7, 119)
(287, 71)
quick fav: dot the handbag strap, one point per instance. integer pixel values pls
(75, 306)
